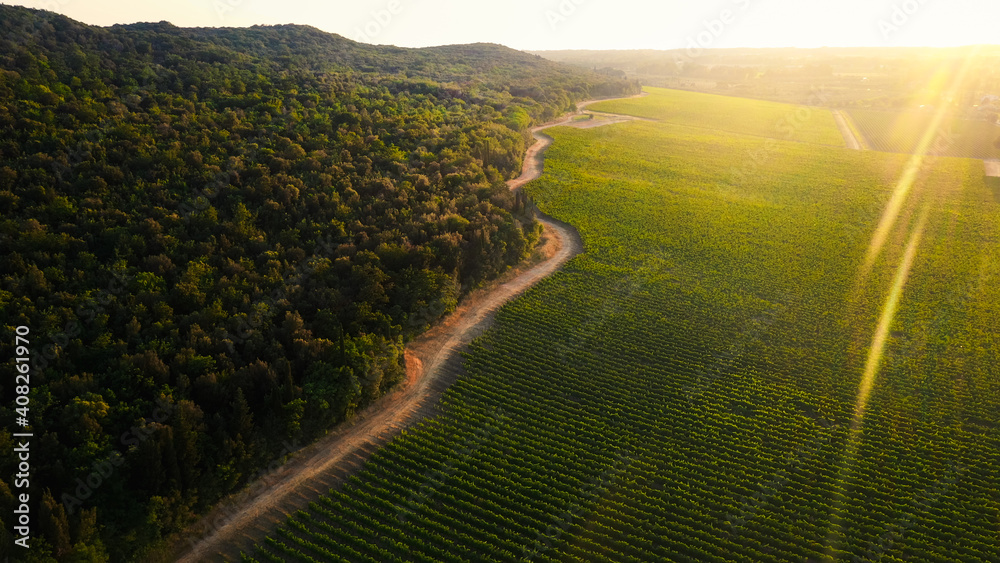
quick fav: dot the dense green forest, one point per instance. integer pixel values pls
(221, 239)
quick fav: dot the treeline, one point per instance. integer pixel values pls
(221, 240)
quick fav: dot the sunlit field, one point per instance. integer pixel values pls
(689, 389)
(724, 114)
(902, 132)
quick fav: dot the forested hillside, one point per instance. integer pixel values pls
(220, 240)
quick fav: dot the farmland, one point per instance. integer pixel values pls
(732, 115)
(685, 390)
(902, 132)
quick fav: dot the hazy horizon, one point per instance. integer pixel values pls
(581, 24)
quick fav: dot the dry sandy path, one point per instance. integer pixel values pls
(992, 168)
(845, 130)
(432, 361)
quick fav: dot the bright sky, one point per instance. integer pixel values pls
(580, 24)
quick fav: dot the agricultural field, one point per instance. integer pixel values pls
(732, 115)
(687, 389)
(902, 132)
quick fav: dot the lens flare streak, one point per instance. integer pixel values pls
(877, 349)
(872, 365)
(931, 138)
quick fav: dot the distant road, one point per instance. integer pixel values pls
(846, 130)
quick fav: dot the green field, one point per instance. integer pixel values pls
(732, 115)
(902, 132)
(685, 389)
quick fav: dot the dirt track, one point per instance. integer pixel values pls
(845, 129)
(433, 363)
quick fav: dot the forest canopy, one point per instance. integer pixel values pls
(221, 240)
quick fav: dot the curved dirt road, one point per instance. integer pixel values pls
(432, 364)
(533, 157)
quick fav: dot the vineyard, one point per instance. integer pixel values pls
(685, 389)
(732, 115)
(902, 132)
